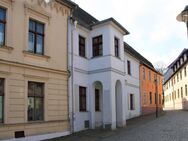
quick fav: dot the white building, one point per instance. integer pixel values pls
(104, 80)
(176, 83)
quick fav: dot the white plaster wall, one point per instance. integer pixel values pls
(132, 87)
(106, 69)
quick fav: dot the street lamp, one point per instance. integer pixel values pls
(156, 98)
(183, 17)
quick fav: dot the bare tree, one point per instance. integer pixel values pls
(160, 67)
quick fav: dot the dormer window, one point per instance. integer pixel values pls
(97, 46)
(185, 57)
(181, 61)
(174, 67)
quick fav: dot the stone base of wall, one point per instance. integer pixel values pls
(150, 110)
(30, 129)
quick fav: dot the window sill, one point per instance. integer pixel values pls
(37, 56)
(95, 57)
(83, 111)
(132, 109)
(117, 57)
(36, 121)
(98, 111)
(83, 57)
(6, 48)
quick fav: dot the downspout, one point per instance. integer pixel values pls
(69, 75)
(70, 69)
(140, 84)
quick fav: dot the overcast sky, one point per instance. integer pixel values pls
(154, 30)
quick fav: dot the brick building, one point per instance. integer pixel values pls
(150, 88)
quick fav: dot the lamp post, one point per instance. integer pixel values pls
(156, 90)
(183, 17)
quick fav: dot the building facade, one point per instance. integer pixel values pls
(104, 74)
(33, 68)
(151, 89)
(176, 83)
(97, 73)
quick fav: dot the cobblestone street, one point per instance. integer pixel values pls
(171, 126)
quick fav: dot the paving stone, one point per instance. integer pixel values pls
(171, 126)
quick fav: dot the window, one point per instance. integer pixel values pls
(2, 99)
(178, 93)
(181, 92)
(128, 67)
(150, 97)
(97, 100)
(159, 99)
(82, 46)
(149, 76)
(35, 101)
(116, 46)
(155, 98)
(185, 57)
(180, 75)
(97, 46)
(185, 72)
(177, 77)
(36, 37)
(145, 98)
(131, 102)
(175, 94)
(144, 73)
(186, 90)
(82, 98)
(154, 77)
(2, 26)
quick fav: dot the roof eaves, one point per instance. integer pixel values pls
(68, 3)
(114, 21)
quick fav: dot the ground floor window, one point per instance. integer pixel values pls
(35, 101)
(97, 100)
(131, 101)
(150, 97)
(82, 98)
(159, 99)
(145, 99)
(1, 99)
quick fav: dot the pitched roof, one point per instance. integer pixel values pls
(114, 21)
(170, 71)
(184, 50)
(67, 3)
(134, 53)
(88, 21)
(84, 18)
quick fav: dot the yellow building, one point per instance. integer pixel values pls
(33, 67)
(176, 83)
